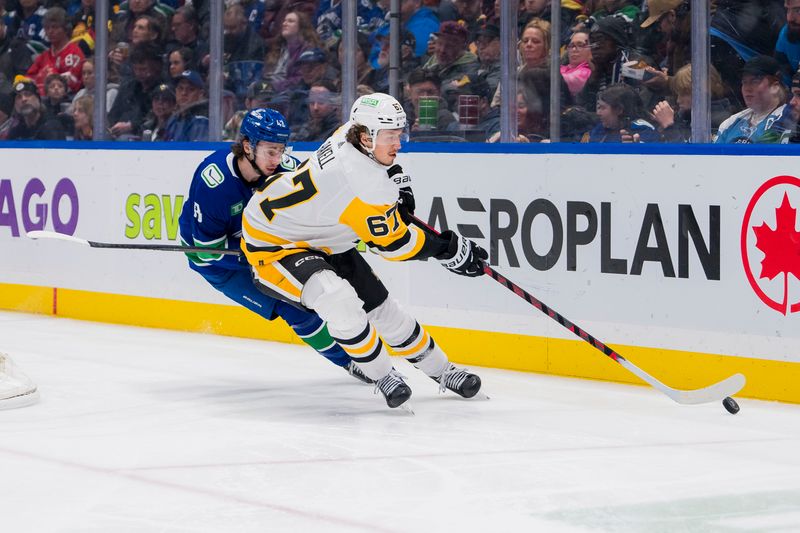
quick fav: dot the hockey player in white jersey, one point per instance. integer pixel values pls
(299, 234)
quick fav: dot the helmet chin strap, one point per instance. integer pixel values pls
(371, 150)
(261, 175)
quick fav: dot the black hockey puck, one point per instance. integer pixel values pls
(730, 405)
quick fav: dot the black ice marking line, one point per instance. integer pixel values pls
(713, 393)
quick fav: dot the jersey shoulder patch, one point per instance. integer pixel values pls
(212, 175)
(289, 163)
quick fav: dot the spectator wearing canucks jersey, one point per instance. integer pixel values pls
(212, 218)
(766, 118)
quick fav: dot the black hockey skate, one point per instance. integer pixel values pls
(459, 381)
(357, 373)
(393, 388)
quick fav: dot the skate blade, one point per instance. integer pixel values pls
(479, 397)
(406, 408)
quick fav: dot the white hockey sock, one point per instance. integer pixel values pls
(367, 350)
(433, 361)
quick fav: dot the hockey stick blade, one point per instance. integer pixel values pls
(38, 234)
(713, 393)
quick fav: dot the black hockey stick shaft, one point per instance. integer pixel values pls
(538, 304)
(165, 248)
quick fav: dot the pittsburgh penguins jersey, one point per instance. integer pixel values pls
(212, 213)
(336, 197)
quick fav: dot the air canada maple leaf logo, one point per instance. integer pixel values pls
(778, 239)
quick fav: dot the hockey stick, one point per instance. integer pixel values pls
(712, 393)
(160, 247)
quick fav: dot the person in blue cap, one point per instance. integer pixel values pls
(211, 218)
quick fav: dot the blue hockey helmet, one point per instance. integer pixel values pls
(264, 124)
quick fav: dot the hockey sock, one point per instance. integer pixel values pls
(314, 332)
(367, 350)
(420, 350)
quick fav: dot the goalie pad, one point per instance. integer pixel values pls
(16, 389)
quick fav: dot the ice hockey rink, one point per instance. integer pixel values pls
(144, 430)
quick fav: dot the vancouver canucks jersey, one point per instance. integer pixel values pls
(775, 127)
(212, 213)
(332, 200)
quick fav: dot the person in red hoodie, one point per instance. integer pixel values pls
(64, 57)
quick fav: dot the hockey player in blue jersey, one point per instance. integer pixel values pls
(212, 218)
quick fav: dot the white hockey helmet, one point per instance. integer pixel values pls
(378, 111)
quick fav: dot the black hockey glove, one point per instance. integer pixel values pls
(463, 256)
(405, 203)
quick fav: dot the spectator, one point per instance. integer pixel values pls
(241, 43)
(622, 9)
(369, 17)
(528, 125)
(669, 20)
(534, 44)
(55, 99)
(254, 12)
(119, 65)
(794, 109)
(26, 23)
(87, 75)
(740, 30)
(488, 117)
(82, 119)
(133, 100)
(276, 11)
(408, 61)
(324, 106)
(6, 110)
(123, 21)
(419, 20)
(154, 127)
(452, 62)
(314, 67)
(469, 12)
(297, 35)
(766, 118)
(534, 84)
(610, 43)
(259, 94)
(16, 54)
(422, 82)
(540, 9)
(365, 75)
(578, 69)
(81, 17)
(185, 28)
(575, 122)
(190, 120)
(31, 122)
(63, 57)
(621, 118)
(676, 125)
(179, 60)
(147, 29)
(488, 46)
(787, 49)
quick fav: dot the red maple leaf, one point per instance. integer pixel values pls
(781, 246)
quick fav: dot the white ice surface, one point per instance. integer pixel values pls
(143, 430)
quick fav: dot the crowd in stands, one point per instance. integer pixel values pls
(625, 71)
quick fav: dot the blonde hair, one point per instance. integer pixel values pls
(86, 104)
(681, 82)
(544, 27)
